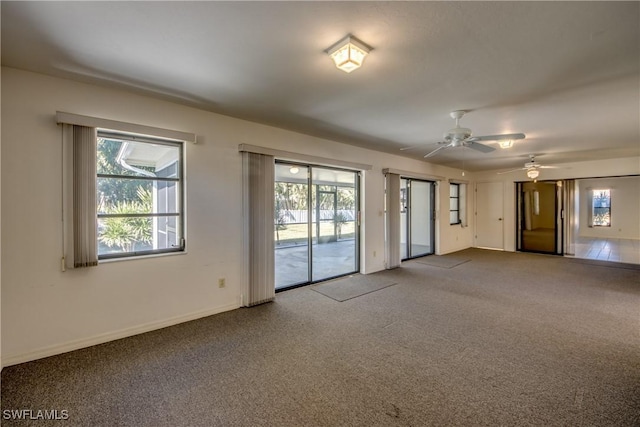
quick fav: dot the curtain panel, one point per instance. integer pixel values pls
(570, 219)
(258, 195)
(392, 220)
(85, 233)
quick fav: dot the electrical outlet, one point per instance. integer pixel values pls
(221, 282)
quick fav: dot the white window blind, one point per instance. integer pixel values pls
(259, 208)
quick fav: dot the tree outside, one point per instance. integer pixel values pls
(122, 196)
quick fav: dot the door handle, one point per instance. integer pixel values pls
(499, 219)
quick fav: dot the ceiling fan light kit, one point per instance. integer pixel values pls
(532, 167)
(463, 137)
(349, 53)
(507, 143)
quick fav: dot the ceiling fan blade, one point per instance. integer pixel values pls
(413, 147)
(479, 147)
(436, 150)
(512, 170)
(497, 137)
(548, 167)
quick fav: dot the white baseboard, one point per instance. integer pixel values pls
(110, 336)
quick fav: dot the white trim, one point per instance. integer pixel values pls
(407, 174)
(288, 155)
(95, 122)
(111, 336)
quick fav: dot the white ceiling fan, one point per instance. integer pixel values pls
(462, 137)
(532, 167)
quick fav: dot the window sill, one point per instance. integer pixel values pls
(137, 257)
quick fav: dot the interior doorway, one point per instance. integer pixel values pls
(316, 223)
(489, 215)
(539, 219)
(417, 218)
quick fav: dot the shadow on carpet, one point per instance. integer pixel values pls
(442, 261)
(352, 286)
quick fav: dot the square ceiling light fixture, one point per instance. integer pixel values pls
(348, 53)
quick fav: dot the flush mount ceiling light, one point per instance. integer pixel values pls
(507, 143)
(348, 53)
(533, 173)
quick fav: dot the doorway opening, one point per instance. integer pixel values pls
(317, 225)
(540, 217)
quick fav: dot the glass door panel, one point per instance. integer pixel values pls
(291, 226)
(421, 218)
(334, 223)
(417, 224)
(404, 223)
(538, 217)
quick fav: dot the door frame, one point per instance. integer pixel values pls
(432, 216)
(559, 223)
(310, 208)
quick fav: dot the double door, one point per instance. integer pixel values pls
(417, 218)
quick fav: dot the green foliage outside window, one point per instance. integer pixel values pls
(127, 232)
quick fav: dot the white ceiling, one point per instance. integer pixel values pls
(567, 74)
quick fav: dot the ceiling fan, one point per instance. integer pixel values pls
(532, 167)
(462, 137)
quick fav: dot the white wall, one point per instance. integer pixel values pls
(46, 311)
(458, 236)
(589, 169)
(625, 208)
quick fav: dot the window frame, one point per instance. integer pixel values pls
(593, 207)
(179, 180)
(457, 198)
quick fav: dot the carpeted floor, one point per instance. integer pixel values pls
(504, 339)
(352, 286)
(443, 261)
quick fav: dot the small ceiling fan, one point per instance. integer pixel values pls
(462, 137)
(532, 167)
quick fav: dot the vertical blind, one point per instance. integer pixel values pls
(392, 220)
(85, 238)
(258, 194)
(570, 220)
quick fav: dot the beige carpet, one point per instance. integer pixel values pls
(352, 286)
(442, 261)
(506, 339)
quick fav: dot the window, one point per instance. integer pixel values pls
(139, 195)
(454, 204)
(601, 208)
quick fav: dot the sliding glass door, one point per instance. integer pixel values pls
(292, 193)
(316, 224)
(540, 220)
(417, 220)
